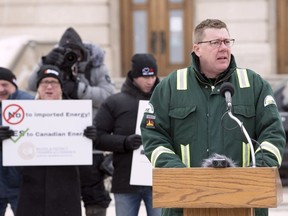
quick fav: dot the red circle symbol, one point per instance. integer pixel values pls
(13, 114)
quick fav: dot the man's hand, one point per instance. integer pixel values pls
(90, 132)
(132, 142)
(5, 133)
(55, 57)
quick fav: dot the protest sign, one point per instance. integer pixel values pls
(141, 169)
(47, 132)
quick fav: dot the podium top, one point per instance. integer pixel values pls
(238, 187)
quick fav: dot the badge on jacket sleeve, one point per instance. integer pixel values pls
(149, 108)
(150, 121)
(269, 100)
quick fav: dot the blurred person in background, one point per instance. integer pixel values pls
(50, 190)
(85, 77)
(116, 124)
(10, 177)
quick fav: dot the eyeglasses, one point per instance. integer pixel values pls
(53, 83)
(217, 43)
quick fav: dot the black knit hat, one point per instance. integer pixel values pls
(6, 74)
(49, 71)
(143, 65)
(71, 39)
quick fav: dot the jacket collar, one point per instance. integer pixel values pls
(222, 77)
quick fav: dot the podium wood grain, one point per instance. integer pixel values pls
(216, 188)
(219, 212)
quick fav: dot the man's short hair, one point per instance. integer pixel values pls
(205, 24)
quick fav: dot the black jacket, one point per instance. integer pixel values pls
(50, 191)
(115, 120)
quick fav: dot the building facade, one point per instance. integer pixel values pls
(30, 28)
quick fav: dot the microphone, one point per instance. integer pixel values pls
(227, 91)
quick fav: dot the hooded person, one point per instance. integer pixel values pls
(67, 56)
(90, 80)
(70, 43)
(71, 39)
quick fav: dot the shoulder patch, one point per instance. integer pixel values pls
(269, 100)
(149, 108)
(150, 121)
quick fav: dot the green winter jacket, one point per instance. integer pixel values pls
(185, 122)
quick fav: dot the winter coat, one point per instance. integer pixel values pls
(94, 80)
(50, 191)
(10, 177)
(184, 124)
(115, 120)
(95, 83)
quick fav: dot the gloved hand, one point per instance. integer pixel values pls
(132, 142)
(70, 88)
(91, 132)
(55, 57)
(5, 133)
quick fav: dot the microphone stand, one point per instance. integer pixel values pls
(229, 107)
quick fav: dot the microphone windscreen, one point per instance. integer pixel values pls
(217, 160)
(226, 86)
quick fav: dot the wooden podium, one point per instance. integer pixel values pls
(217, 191)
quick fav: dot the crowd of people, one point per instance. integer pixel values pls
(184, 124)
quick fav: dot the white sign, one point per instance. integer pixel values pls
(141, 169)
(47, 132)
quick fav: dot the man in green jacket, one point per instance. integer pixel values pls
(185, 122)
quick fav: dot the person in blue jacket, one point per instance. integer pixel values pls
(10, 177)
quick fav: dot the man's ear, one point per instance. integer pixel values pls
(196, 49)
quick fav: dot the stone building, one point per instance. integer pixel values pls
(30, 28)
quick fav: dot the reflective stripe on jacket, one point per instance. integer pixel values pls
(189, 124)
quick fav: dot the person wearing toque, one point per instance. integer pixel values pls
(10, 177)
(50, 190)
(85, 76)
(116, 123)
(8, 86)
